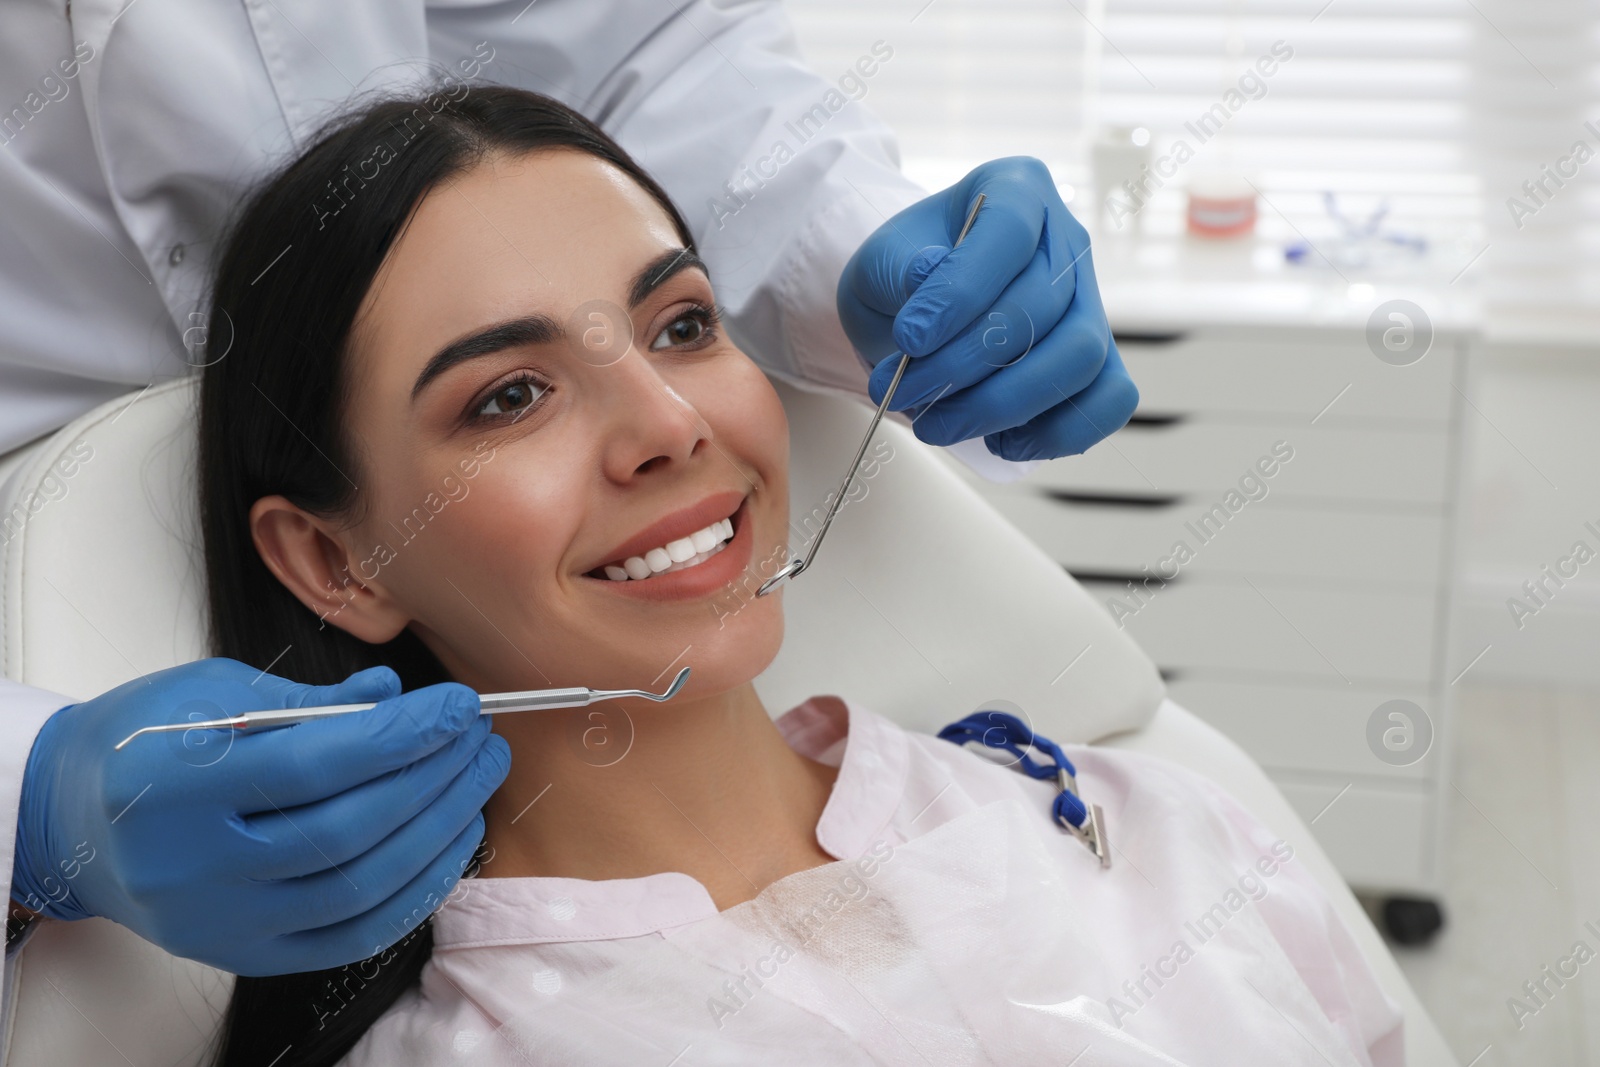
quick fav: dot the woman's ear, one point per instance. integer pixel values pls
(306, 554)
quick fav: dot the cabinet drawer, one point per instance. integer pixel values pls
(1378, 837)
(1316, 728)
(1402, 465)
(1265, 538)
(1291, 375)
(1329, 634)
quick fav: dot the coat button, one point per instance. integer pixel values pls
(175, 256)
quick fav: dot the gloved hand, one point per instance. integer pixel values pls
(290, 848)
(1007, 335)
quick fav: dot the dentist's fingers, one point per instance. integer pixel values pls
(311, 838)
(1077, 423)
(1010, 330)
(1061, 365)
(368, 932)
(309, 761)
(1019, 195)
(374, 683)
(344, 891)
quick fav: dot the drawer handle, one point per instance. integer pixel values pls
(1114, 500)
(1155, 420)
(1135, 337)
(1117, 577)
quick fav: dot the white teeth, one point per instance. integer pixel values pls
(676, 555)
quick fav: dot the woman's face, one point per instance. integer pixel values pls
(512, 443)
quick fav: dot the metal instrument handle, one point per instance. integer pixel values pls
(798, 564)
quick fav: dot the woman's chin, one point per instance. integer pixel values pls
(724, 657)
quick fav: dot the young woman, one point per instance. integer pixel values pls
(479, 423)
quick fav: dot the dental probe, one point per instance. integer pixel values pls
(492, 704)
(796, 565)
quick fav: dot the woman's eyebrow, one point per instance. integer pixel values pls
(542, 329)
(528, 330)
(658, 270)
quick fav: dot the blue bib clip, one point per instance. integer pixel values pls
(998, 729)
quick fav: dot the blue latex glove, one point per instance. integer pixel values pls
(292, 848)
(1007, 335)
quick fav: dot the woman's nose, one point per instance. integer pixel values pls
(643, 418)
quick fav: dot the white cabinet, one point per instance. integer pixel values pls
(1285, 608)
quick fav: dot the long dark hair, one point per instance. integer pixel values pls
(294, 268)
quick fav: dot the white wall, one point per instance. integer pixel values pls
(1532, 481)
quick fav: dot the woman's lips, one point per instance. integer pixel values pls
(678, 525)
(717, 572)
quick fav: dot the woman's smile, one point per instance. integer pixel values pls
(718, 566)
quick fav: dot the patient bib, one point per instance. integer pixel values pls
(966, 930)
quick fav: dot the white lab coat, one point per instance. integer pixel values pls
(129, 130)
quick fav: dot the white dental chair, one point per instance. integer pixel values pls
(924, 603)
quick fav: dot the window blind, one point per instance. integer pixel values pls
(1533, 99)
(1436, 111)
(970, 80)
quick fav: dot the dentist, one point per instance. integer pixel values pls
(127, 132)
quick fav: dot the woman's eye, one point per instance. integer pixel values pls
(686, 329)
(514, 398)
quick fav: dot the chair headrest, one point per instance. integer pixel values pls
(923, 603)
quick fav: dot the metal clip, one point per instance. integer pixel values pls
(1093, 831)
